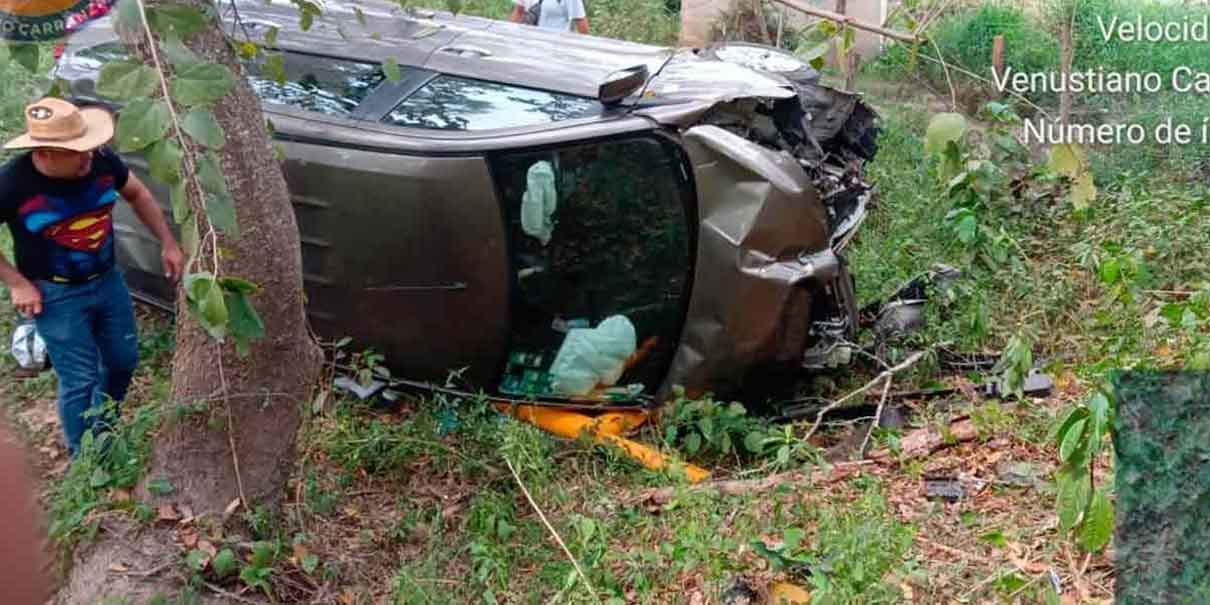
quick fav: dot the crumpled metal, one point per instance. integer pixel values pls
(763, 239)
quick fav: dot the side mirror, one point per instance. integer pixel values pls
(621, 84)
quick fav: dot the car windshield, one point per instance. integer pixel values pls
(453, 103)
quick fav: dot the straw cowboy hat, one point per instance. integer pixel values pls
(52, 122)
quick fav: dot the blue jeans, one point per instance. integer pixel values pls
(90, 336)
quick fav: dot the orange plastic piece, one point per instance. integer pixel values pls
(606, 428)
(782, 593)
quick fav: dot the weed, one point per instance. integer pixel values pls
(111, 460)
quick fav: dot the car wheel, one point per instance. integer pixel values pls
(763, 58)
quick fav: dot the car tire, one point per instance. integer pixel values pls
(747, 53)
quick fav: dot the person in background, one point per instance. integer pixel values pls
(559, 15)
(58, 200)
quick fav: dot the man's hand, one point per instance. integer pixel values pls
(27, 298)
(173, 260)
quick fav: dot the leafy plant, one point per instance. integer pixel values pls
(1084, 510)
(705, 428)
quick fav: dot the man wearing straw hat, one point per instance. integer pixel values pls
(58, 199)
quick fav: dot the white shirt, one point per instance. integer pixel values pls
(556, 14)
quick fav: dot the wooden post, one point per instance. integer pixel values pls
(854, 65)
(998, 60)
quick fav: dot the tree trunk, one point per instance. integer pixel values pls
(1067, 55)
(243, 445)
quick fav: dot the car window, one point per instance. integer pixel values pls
(312, 82)
(453, 103)
(321, 84)
(595, 230)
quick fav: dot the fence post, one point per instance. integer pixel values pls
(998, 60)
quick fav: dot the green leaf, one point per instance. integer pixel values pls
(179, 195)
(27, 55)
(814, 52)
(306, 20)
(454, 6)
(1097, 528)
(754, 442)
(141, 123)
(220, 209)
(179, 55)
(201, 126)
(693, 443)
(275, 68)
(968, 228)
(190, 238)
(220, 206)
(1074, 416)
(224, 563)
(783, 455)
(310, 563)
(271, 36)
(202, 83)
(197, 560)
(1100, 420)
(100, 478)
(995, 538)
(213, 311)
(164, 161)
(943, 129)
(245, 322)
(1110, 271)
(1073, 440)
(706, 426)
(128, 14)
(792, 537)
(236, 284)
(179, 19)
(361, 16)
(390, 68)
(262, 555)
(1072, 496)
(126, 80)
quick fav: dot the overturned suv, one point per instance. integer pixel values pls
(516, 185)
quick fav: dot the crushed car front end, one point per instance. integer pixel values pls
(779, 163)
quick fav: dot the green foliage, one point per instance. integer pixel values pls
(1080, 437)
(125, 80)
(852, 552)
(201, 126)
(705, 429)
(111, 460)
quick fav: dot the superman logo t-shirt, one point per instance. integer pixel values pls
(62, 229)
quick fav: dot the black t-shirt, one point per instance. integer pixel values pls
(62, 229)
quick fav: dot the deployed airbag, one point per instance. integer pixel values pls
(593, 356)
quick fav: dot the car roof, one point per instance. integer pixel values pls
(487, 49)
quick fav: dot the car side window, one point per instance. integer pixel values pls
(324, 85)
(455, 103)
(596, 230)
